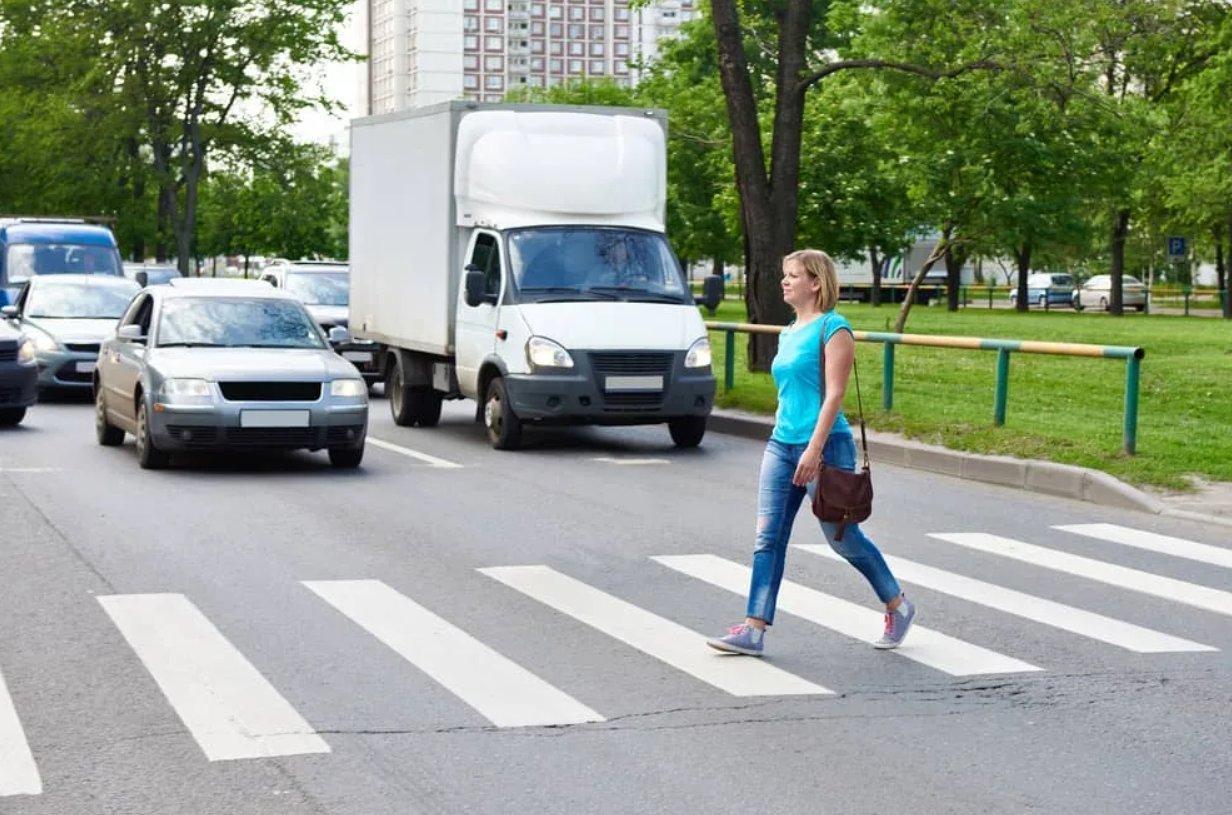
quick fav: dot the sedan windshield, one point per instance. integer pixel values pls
(237, 323)
(319, 288)
(572, 263)
(79, 301)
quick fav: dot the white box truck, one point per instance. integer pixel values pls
(515, 254)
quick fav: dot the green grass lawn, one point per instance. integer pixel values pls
(1064, 409)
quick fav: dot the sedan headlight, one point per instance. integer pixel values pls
(349, 388)
(544, 353)
(42, 340)
(185, 390)
(25, 352)
(699, 354)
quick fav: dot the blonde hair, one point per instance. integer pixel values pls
(821, 266)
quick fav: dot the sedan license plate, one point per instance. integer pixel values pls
(357, 356)
(86, 367)
(633, 383)
(274, 418)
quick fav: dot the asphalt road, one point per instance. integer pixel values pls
(266, 635)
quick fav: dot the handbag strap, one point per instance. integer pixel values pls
(859, 401)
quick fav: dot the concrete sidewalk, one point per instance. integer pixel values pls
(1211, 504)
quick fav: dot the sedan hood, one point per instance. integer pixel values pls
(328, 315)
(74, 330)
(251, 364)
(618, 326)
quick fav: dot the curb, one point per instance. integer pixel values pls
(1064, 480)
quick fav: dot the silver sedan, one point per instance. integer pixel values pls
(210, 364)
(67, 317)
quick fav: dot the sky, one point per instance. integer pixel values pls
(340, 81)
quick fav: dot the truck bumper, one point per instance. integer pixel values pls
(614, 389)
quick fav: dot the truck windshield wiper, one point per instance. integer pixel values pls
(193, 345)
(640, 294)
(579, 294)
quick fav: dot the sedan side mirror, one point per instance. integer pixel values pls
(143, 278)
(132, 333)
(712, 293)
(339, 335)
(10, 312)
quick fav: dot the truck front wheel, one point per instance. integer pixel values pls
(504, 428)
(687, 431)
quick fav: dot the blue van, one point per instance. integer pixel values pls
(32, 246)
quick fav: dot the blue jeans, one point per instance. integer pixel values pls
(778, 501)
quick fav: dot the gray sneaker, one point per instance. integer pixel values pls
(897, 624)
(740, 639)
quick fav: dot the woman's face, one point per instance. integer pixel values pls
(799, 287)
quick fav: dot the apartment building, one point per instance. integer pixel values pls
(427, 51)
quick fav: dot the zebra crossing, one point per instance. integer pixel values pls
(234, 713)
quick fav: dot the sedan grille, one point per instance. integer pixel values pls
(270, 391)
(607, 362)
(82, 347)
(8, 354)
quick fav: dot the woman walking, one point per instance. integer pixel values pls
(809, 428)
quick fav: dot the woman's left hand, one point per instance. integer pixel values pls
(808, 467)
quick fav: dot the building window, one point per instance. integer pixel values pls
(596, 49)
(536, 63)
(494, 63)
(596, 32)
(557, 49)
(470, 62)
(494, 24)
(557, 29)
(470, 42)
(621, 49)
(556, 66)
(577, 13)
(494, 43)
(596, 67)
(494, 5)
(575, 66)
(470, 5)
(492, 97)
(621, 67)
(556, 12)
(577, 32)
(494, 83)
(536, 46)
(621, 32)
(470, 82)
(536, 28)
(596, 15)
(536, 9)
(470, 23)
(536, 82)
(577, 49)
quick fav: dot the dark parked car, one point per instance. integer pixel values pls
(18, 375)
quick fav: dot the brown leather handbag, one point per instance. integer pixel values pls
(843, 497)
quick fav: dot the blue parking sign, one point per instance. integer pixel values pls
(1176, 248)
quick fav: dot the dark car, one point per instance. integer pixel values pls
(18, 375)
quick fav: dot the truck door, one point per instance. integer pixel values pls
(475, 333)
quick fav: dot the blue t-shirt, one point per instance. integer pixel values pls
(797, 374)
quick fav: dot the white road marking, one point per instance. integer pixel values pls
(928, 647)
(1152, 542)
(1037, 609)
(231, 710)
(18, 773)
(29, 469)
(406, 451)
(1177, 591)
(630, 462)
(662, 639)
(502, 691)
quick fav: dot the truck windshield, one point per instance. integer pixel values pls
(594, 263)
(25, 260)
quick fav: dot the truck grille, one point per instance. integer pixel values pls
(631, 362)
(632, 402)
(270, 391)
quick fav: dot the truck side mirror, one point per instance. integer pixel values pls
(712, 292)
(475, 285)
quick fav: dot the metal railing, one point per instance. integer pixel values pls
(1132, 356)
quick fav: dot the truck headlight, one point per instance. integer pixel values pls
(544, 353)
(185, 390)
(25, 353)
(699, 354)
(348, 388)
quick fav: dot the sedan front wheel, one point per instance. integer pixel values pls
(148, 455)
(108, 434)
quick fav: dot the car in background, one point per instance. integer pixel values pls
(18, 375)
(1047, 289)
(151, 274)
(324, 286)
(1097, 293)
(67, 317)
(206, 364)
(38, 246)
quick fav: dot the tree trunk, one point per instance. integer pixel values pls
(955, 259)
(874, 260)
(1022, 259)
(938, 252)
(1224, 277)
(768, 203)
(1120, 230)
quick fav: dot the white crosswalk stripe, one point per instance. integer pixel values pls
(18, 773)
(664, 640)
(928, 647)
(1154, 542)
(1037, 609)
(499, 689)
(231, 710)
(1178, 591)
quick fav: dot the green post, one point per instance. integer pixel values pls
(887, 377)
(1003, 385)
(1131, 405)
(990, 296)
(729, 360)
(1187, 293)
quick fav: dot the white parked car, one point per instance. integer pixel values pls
(1097, 293)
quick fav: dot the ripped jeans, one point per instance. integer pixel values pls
(778, 501)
